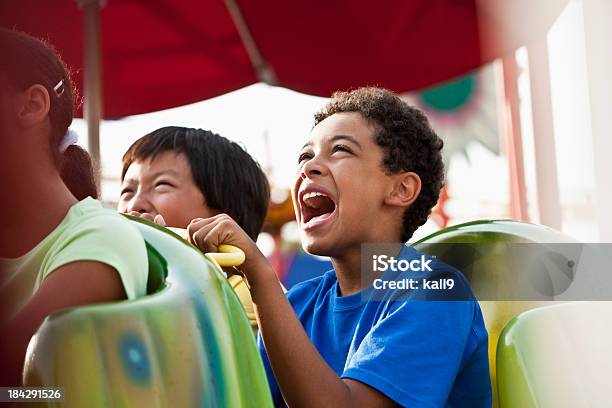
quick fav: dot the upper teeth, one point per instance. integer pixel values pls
(313, 194)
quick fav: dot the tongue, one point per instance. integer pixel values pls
(320, 205)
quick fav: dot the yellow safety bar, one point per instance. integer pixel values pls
(228, 255)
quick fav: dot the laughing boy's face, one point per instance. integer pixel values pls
(341, 185)
(164, 186)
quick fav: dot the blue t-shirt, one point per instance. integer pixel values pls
(419, 353)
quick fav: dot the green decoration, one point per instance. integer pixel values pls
(451, 95)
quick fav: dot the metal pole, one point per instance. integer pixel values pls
(511, 131)
(264, 71)
(92, 109)
(549, 206)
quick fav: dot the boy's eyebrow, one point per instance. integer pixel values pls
(309, 143)
(336, 138)
(164, 172)
(345, 137)
(133, 180)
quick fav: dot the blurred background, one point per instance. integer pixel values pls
(520, 92)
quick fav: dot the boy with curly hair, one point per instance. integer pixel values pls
(370, 173)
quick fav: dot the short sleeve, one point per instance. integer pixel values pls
(414, 353)
(107, 238)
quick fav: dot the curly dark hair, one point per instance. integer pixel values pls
(408, 142)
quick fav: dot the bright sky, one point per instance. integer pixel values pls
(248, 116)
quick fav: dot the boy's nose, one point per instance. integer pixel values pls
(313, 167)
(139, 203)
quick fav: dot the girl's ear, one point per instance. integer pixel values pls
(34, 105)
(406, 189)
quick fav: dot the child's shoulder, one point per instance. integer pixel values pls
(88, 215)
(90, 208)
(310, 287)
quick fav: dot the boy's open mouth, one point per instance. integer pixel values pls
(317, 207)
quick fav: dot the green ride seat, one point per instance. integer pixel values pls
(158, 270)
(557, 356)
(187, 343)
(483, 268)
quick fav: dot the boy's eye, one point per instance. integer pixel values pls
(304, 156)
(341, 148)
(163, 184)
(126, 190)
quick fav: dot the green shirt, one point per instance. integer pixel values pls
(89, 232)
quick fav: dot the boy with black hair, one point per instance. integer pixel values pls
(370, 173)
(174, 175)
(183, 173)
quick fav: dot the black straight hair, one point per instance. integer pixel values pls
(230, 180)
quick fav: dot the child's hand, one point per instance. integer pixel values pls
(158, 219)
(208, 233)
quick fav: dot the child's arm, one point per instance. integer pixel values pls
(304, 378)
(74, 284)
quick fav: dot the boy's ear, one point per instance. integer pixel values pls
(406, 189)
(34, 105)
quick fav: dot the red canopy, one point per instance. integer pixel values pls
(159, 54)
